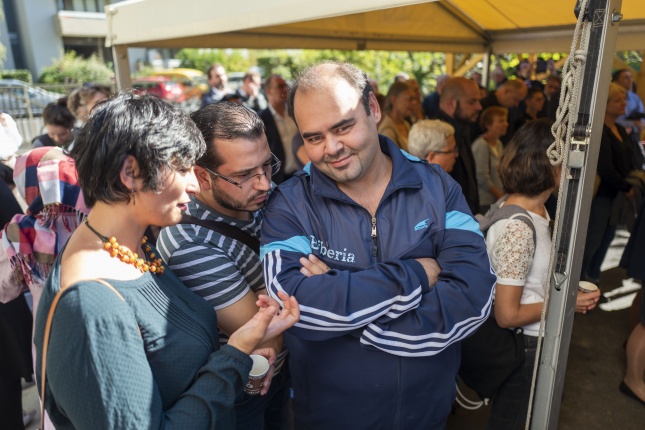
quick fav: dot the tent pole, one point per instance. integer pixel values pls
(121, 66)
(589, 101)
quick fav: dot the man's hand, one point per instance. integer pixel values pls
(312, 266)
(266, 323)
(432, 269)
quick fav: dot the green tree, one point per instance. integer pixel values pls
(233, 60)
(73, 69)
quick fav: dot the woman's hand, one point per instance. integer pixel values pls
(587, 301)
(266, 323)
(312, 266)
(270, 355)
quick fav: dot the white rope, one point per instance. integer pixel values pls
(558, 154)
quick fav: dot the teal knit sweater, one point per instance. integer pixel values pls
(103, 374)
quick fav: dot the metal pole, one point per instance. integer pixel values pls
(602, 27)
(121, 67)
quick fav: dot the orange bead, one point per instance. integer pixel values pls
(125, 259)
(153, 255)
(112, 239)
(114, 253)
(107, 245)
(145, 268)
(115, 245)
(153, 269)
(135, 256)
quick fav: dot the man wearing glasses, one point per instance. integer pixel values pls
(434, 141)
(214, 252)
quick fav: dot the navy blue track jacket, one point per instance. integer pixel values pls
(376, 347)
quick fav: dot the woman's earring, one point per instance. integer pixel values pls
(134, 198)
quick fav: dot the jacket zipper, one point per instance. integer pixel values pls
(374, 238)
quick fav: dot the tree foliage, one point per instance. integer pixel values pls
(234, 60)
(73, 69)
(383, 66)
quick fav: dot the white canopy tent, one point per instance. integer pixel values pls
(444, 25)
(465, 26)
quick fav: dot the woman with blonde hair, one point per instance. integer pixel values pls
(614, 164)
(82, 100)
(398, 106)
(487, 150)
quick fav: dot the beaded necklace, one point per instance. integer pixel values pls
(124, 254)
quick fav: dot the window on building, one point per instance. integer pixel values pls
(84, 5)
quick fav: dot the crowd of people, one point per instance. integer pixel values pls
(321, 224)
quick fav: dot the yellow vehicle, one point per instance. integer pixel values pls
(194, 81)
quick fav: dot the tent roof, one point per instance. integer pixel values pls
(436, 25)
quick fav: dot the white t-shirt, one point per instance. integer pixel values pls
(511, 251)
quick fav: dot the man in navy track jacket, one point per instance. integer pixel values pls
(377, 344)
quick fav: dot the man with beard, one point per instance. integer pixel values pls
(214, 251)
(217, 80)
(459, 106)
(378, 342)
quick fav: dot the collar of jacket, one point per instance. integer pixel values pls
(403, 174)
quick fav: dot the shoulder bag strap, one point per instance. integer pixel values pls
(226, 230)
(48, 325)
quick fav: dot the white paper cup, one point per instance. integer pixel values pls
(257, 374)
(587, 287)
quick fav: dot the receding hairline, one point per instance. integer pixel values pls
(321, 77)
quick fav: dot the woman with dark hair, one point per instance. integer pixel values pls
(487, 150)
(130, 346)
(398, 106)
(521, 261)
(59, 123)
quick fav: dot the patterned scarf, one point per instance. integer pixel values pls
(46, 178)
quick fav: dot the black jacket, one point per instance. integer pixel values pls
(464, 171)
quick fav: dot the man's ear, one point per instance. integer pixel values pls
(375, 109)
(203, 178)
(430, 157)
(129, 172)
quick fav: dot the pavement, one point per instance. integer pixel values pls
(596, 365)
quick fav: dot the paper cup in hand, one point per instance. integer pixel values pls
(257, 374)
(587, 287)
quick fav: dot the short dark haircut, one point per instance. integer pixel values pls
(525, 167)
(268, 81)
(225, 121)
(616, 75)
(554, 78)
(158, 135)
(532, 91)
(311, 78)
(56, 113)
(211, 68)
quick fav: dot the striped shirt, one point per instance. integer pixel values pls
(219, 269)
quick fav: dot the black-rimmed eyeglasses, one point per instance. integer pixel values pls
(268, 170)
